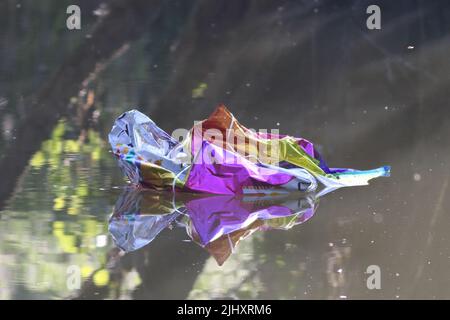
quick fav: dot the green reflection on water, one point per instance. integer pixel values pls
(57, 216)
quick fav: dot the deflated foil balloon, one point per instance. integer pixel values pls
(220, 156)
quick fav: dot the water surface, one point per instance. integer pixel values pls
(309, 69)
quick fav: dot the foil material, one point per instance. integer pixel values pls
(221, 156)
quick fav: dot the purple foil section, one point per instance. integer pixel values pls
(213, 217)
(221, 171)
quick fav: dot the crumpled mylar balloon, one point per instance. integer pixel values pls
(221, 156)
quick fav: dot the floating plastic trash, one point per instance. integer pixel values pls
(221, 156)
(217, 223)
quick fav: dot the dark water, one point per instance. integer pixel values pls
(308, 68)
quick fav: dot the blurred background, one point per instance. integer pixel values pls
(309, 68)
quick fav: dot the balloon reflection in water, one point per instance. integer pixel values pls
(216, 223)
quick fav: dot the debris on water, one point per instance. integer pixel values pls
(233, 160)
